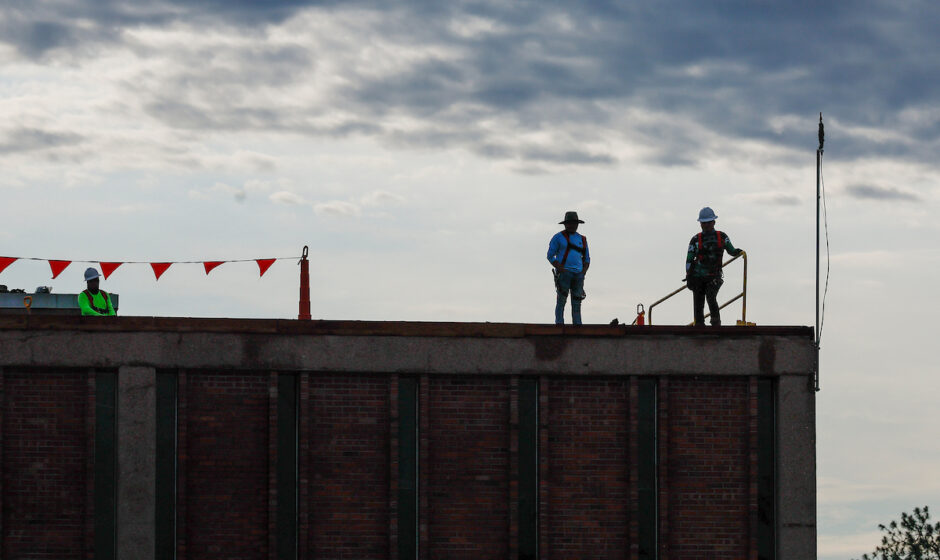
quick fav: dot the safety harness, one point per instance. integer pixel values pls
(581, 250)
(700, 256)
(91, 301)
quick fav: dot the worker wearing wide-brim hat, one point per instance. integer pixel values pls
(93, 301)
(570, 258)
(703, 272)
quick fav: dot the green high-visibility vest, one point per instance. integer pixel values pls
(95, 304)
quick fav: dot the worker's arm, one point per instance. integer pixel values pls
(729, 247)
(586, 259)
(554, 247)
(111, 310)
(690, 257)
(85, 306)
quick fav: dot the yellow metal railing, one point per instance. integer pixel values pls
(742, 296)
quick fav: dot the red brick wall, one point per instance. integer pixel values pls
(347, 455)
(46, 446)
(706, 476)
(468, 478)
(226, 463)
(588, 470)
(227, 433)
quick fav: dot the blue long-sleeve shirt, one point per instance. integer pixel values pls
(575, 262)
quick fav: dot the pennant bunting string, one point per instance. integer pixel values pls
(58, 266)
(108, 267)
(212, 264)
(264, 265)
(6, 261)
(159, 268)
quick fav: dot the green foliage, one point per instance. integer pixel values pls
(914, 538)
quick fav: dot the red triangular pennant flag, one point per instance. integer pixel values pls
(264, 265)
(58, 266)
(6, 261)
(108, 267)
(211, 264)
(159, 268)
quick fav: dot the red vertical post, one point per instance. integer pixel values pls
(304, 287)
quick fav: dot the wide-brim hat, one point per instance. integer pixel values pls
(571, 216)
(91, 274)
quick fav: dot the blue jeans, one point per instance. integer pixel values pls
(567, 281)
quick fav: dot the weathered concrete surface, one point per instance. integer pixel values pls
(796, 464)
(389, 348)
(136, 469)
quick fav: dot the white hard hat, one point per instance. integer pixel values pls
(707, 215)
(90, 274)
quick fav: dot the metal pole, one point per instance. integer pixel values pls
(819, 152)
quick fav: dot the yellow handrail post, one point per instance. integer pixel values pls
(744, 292)
(742, 296)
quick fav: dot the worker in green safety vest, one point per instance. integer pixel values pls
(93, 301)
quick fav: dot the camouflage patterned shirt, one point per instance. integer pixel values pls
(706, 262)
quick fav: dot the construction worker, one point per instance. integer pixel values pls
(93, 301)
(569, 256)
(703, 273)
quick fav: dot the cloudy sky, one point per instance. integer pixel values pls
(426, 151)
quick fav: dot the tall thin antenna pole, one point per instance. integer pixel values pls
(819, 153)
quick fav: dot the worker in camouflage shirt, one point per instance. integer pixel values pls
(703, 267)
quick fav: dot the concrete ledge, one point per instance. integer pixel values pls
(373, 328)
(453, 348)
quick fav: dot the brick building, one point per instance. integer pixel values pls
(140, 438)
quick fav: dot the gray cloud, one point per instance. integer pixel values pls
(34, 139)
(37, 28)
(783, 200)
(731, 69)
(873, 192)
(774, 199)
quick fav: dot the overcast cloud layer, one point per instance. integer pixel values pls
(539, 84)
(425, 151)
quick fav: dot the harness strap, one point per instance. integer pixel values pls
(569, 247)
(718, 236)
(721, 247)
(91, 301)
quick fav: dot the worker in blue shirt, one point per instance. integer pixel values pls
(569, 256)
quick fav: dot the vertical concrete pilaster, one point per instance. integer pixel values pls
(2, 400)
(796, 475)
(136, 466)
